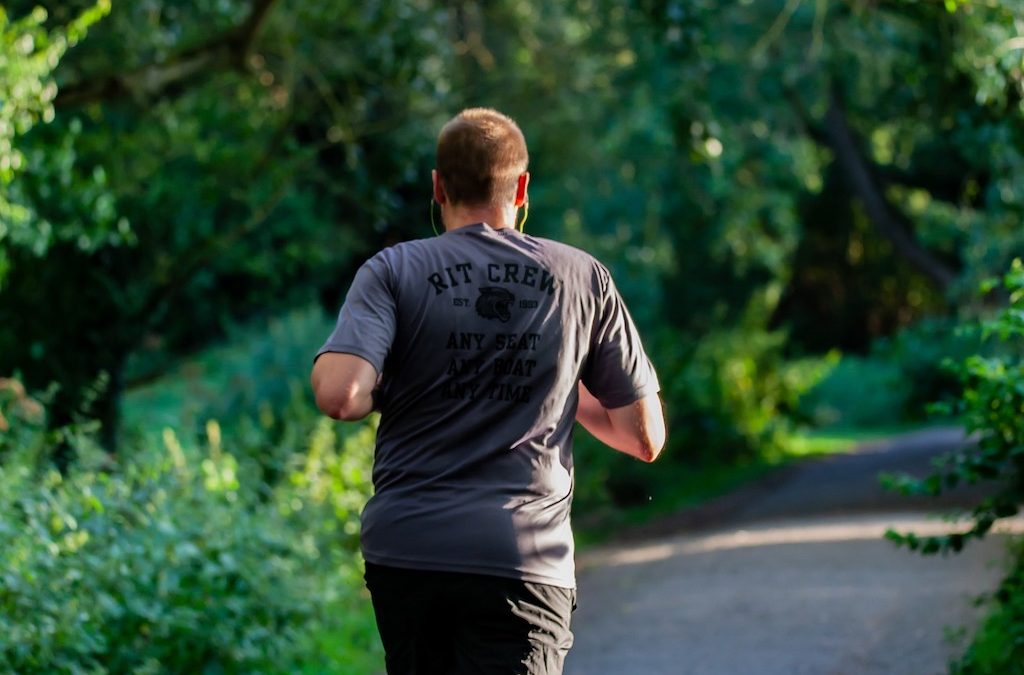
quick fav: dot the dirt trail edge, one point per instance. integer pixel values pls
(789, 576)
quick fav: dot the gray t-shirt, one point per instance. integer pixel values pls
(481, 337)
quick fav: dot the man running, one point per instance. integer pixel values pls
(480, 348)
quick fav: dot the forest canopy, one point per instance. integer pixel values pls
(835, 170)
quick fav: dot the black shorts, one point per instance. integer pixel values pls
(450, 623)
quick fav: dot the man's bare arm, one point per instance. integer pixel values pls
(343, 385)
(637, 429)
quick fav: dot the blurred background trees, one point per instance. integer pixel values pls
(828, 173)
(797, 198)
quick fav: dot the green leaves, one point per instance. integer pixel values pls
(194, 562)
(991, 406)
(29, 53)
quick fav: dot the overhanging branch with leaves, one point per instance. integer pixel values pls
(836, 134)
(228, 50)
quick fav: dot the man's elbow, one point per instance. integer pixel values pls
(640, 428)
(656, 430)
(343, 405)
(652, 440)
(650, 448)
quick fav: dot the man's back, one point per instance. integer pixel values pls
(490, 332)
(480, 348)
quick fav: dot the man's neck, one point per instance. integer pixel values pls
(460, 215)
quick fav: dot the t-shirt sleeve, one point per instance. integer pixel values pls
(617, 371)
(366, 323)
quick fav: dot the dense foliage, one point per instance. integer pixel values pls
(185, 557)
(762, 179)
(990, 407)
(795, 199)
(28, 54)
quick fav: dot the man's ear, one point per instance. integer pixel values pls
(524, 180)
(439, 194)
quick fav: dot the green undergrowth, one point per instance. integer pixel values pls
(892, 384)
(346, 640)
(222, 537)
(258, 366)
(180, 558)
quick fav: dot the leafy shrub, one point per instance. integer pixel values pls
(895, 382)
(730, 399)
(734, 396)
(921, 353)
(858, 392)
(991, 407)
(253, 373)
(329, 485)
(177, 559)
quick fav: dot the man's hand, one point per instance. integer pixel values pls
(343, 385)
(637, 429)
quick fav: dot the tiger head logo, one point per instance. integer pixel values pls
(495, 303)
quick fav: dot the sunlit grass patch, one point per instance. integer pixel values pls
(817, 442)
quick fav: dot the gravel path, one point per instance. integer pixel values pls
(795, 578)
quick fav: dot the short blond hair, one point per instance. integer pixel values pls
(480, 155)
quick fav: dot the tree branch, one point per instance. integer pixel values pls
(229, 49)
(837, 135)
(942, 178)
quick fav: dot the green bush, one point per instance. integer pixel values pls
(991, 407)
(256, 372)
(893, 384)
(921, 353)
(738, 394)
(731, 400)
(859, 392)
(177, 559)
